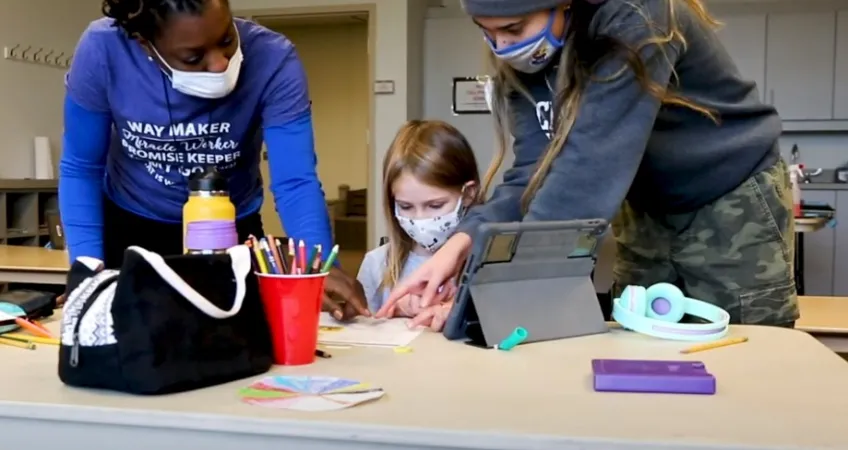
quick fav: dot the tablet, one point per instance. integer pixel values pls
(519, 252)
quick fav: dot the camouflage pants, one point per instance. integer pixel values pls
(736, 253)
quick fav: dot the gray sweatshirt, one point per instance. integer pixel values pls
(625, 145)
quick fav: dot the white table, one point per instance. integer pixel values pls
(21, 264)
(782, 389)
(826, 318)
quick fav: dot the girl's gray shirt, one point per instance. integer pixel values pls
(373, 269)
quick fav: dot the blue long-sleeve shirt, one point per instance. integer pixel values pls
(132, 137)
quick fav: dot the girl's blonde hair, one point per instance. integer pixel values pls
(436, 154)
(581, 54)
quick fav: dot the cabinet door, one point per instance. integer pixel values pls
(799, 65)
(744, 37)
(840, 96)
(819, 250)
(840, 265)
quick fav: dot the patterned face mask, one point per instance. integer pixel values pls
(533, 54)
(430, 233)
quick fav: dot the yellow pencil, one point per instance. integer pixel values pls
(260, 258)
(716, 344)
(19, 344)
(33, 339)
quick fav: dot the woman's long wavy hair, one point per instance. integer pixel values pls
(579, 58)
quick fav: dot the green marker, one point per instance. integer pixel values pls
(331, 258)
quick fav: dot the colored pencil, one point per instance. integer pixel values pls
(301, 257)
(18, 344)
(269, 256)
(331, 258)
(260, 259)
(316, 260)
(292, 257)
(32, 328)
(274, 245)
(30, 339)
(715, 344)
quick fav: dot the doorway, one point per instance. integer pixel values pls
(334, 50)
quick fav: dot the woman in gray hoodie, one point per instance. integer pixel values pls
(633, 111)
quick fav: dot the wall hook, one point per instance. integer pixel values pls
(46, 58)
(14, 51)
(58, 59)
(24, 54)
(36, 57)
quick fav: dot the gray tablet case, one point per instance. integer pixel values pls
(535, 275)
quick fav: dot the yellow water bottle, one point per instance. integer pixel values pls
(208, 200)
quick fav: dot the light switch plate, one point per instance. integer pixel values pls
(384, 87)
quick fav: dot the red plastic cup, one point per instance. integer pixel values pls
(292, 308)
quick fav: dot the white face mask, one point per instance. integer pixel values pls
(533, 54)
(208, 85)
(430, 233)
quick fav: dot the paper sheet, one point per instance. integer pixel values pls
(366, 332)
(43, 158)
(308, 393)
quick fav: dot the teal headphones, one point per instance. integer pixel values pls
(656, 310)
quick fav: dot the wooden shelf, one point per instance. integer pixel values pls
(24, 206)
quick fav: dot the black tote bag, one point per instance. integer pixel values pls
(163, 325)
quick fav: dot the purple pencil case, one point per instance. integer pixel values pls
(668, 377)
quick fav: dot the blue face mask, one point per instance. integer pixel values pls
(533, 54)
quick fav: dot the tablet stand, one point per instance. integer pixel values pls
(540, 288)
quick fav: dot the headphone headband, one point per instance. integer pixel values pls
(656, 311)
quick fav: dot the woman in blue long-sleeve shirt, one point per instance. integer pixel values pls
(161, 89)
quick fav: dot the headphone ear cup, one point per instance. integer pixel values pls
(666, 302)
(633, 298)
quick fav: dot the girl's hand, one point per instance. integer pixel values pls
(433, 317)
(429, 279)
(408, 306)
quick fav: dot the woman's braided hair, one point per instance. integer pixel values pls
(143, 18)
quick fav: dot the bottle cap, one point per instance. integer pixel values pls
(209, 180)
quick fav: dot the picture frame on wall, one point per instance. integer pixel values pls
(469, 96)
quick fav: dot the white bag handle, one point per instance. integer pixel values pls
(240, 256)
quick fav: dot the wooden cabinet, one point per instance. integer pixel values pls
(744, 37)
(819, 250)
(800, 52)
(840, 95)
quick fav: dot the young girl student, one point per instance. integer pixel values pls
(430, 178)
(634, 112)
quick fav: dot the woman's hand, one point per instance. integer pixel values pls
(430, 280)
(344, 297)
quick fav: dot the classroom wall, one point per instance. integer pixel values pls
(339, 94)
(32, 96)
(393, 45)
